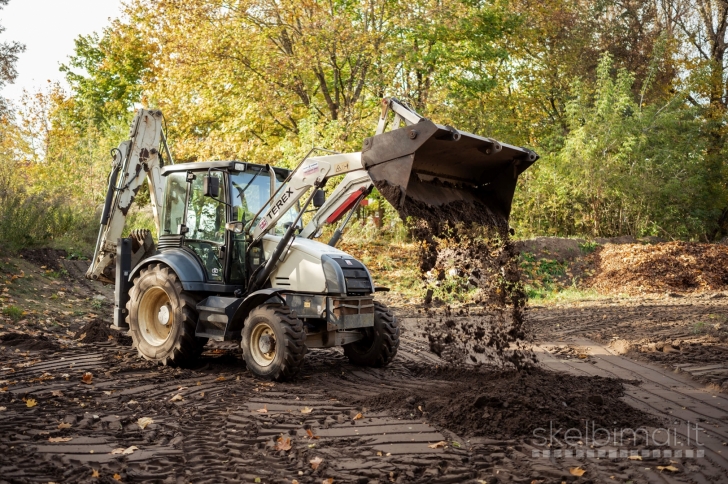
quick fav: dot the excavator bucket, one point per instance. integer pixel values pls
(437, 165)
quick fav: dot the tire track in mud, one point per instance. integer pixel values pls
(652, 394)
(214, 431)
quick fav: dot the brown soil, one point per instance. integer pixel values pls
(99, 331)
(50, 258)
(506, 405)
(215, 422)
(672, 266)
(23, 341)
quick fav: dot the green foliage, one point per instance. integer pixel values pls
(623, 168)
(588, 247)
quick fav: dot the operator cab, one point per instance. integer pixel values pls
(195, 221)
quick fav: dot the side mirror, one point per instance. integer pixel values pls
(211, 186)
(235, 227)
(319, 198)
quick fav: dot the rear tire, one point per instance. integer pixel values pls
(274, 342)
(380, 343)
(162, 318)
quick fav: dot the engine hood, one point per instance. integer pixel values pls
(307, 246)
(313, 267)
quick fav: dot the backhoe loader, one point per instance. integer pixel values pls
(233, 261)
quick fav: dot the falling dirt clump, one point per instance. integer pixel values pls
(470, 243)
(24, 341)
(508, 405)
(672, 266)
(98, 331)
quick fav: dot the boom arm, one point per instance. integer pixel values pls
(313, 172)
(136, 157)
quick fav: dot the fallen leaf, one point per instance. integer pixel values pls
(456, 444)
(306, 410)
(668, 468)
(379, 453)
(57, 393)
(358, 416)
(127, 451)
(144, 421)
(220, 378)
(2, 409)
(311, 434)
(330, 480)
(263, 410)
(87, 378)
(95, 473)
(283, 444)
(30, 403)
(64, 425)
(83, 335)
(176, 398)
(437, 445)
(576, 471)
(59, 439)
(107, 393)
(316, 462)
(117, 477)
(635, 457)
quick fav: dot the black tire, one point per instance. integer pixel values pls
(380, 343)
(276, 328)
(171, 343)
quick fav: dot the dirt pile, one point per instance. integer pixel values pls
(98, 331)
(22, 341)
(672, 266)
(465, 246)
(507, 405)
(49, 258)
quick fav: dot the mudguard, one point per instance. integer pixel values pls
(251, 301)
(183, 264)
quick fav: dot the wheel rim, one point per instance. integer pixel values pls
(155, 316)
(263, 347)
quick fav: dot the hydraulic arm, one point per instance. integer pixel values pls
(134, 160)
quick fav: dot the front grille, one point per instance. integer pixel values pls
(356, 276)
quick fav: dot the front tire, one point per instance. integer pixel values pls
(274, 342)
(162, 318)
(380, 343)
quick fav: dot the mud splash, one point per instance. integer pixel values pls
(465, 247)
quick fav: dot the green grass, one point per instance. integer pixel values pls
(588, 247)
(13, 312)
(551, 294)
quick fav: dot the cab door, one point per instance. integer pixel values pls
(205, 219)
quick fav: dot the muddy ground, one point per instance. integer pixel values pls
(78, 405)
